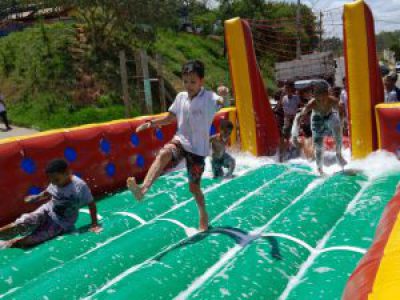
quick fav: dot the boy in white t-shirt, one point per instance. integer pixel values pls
(194, 112)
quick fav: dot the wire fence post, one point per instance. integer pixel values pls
(124, 83)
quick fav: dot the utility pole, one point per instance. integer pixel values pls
(321, 15)
(298, 24)
(161, 82)
(124, 83)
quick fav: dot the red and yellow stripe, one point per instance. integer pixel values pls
(377, 276)
(258, 128)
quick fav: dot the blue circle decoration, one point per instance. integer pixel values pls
(110, 169)
(70, 154)
(28, 165)
(34, 190)
(105, 146)
(159, 134)
(213, 130)
(140, 161)
(398, 127)
(135, 140)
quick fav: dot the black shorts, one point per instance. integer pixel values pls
(194, 163)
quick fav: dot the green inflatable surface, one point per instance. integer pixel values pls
(277, 232)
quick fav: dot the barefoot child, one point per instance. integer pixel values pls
(194, 112)
(325, 120)
(290, 103)
(219, 158)
(67, 193)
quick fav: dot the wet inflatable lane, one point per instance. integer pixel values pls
(277, 232)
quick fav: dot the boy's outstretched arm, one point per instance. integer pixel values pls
(36, 198)
(307, 108)
(168, 119)
(95, 227)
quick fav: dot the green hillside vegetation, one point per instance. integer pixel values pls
(43, 80)
(180, 47)
(36, 76)
(38, 80)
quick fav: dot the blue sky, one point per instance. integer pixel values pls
(386, 12)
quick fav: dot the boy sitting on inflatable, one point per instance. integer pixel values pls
(67, 193)
(219, 157)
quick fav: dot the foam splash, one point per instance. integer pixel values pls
(244, 162)
(373, 166)
(377, 164)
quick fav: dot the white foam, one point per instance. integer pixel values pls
(323, 269)
(374, 165)
(377, 164)
(131, 215)
(189, 231)
(244, 162)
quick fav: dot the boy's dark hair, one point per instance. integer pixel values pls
(337, 90)
(57, 166)
(320, 87)
(289, 84)
(392, 76)
(226, 124)
(193, 66)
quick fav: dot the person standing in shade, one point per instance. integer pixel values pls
(290, 103)
(392, 92)
(3, 113)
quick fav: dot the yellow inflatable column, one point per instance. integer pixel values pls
(365, 88)
(259, 132)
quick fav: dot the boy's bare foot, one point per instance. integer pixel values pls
(134, 188)
(5, 244)
(203, 223)
(321, 172)
(341, 161)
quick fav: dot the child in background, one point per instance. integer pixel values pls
(290, 104)
(325, 120)
(67, 193)
(219, 158)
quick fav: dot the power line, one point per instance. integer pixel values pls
(388, 22)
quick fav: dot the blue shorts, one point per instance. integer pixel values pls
(217, 164)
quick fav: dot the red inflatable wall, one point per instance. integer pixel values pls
(361, 283)
(103, 155)
(388, 127)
